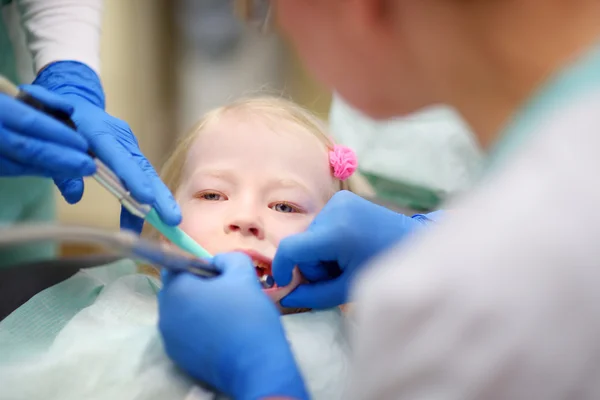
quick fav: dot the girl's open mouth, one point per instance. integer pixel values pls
(262, 266)
(263, 269)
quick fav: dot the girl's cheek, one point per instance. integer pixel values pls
(194, 222)
(285, 228)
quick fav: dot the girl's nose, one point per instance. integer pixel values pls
(247, 226)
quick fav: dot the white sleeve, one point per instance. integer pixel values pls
(59, 30)
(501, 300)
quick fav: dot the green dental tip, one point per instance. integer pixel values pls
(177, 236)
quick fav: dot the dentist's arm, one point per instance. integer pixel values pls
(64, 41)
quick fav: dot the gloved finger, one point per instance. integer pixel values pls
(11, 168)
(313, 272)
(48, 156)
(318, 295)
(165, 204)
(166, 276)
(310, 247)
(25, 120)
(130, 222)
(50, 99)
(235, 263)
(320, 271)
(180, 288)
(71, 189)
(120, 161)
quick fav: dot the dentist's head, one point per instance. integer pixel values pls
(392, 57)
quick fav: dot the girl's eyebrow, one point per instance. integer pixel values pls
(224, 174)
(289, 183)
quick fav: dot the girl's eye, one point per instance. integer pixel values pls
(211, 196)
(285, 208)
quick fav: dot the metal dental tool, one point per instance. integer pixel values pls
(123, 243)
(104, 176)
(266, 281)
(110, 181)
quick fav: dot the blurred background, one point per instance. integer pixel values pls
(166, 62)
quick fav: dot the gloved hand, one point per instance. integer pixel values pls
(226, 332)
(111, 140)
(347, 232)
(34, 144)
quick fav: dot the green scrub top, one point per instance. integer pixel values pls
(575, 81)
(27, 199)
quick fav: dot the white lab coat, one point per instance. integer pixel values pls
(502, 299)
(45, 31)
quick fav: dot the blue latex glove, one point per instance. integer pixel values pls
(226, 332)
(111, 140)
(34, 144)
(347, 232)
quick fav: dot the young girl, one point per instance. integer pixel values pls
(253, 172)
(248, 175)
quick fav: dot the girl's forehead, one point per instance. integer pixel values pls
(267, 135)
(259, 142)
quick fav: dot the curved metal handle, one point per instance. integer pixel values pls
(124, 243)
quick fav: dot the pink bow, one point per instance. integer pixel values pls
(343, 162)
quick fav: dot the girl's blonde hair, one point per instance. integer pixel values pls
(273, 109)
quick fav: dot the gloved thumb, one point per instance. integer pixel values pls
(235, 263)
(71, 189)
(314, 272)
(312, 247)
(320, 295)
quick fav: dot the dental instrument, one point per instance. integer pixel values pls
(123, 243)
(266, 281)
(109, 180)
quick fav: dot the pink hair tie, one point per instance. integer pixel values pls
(343, 162)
